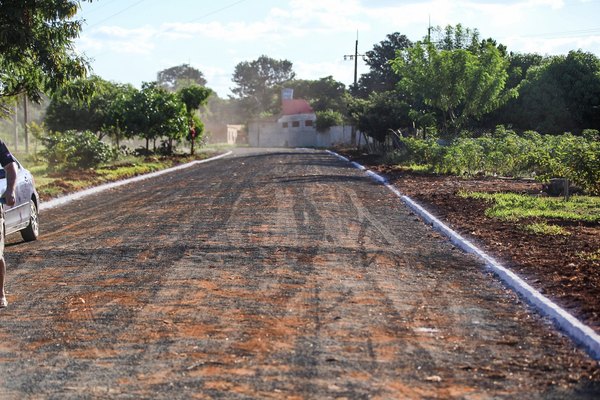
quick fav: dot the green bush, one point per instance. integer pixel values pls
(420, 151)
(328, 118)
(72, 150)
(464, 157)
(505, 153)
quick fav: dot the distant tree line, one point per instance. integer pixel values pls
(448, 85)
(119, 111)
(457, 82)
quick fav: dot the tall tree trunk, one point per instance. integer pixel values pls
(16, 121)
(25, 117)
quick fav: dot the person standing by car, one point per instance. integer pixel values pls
(8, 162)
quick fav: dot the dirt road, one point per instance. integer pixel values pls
(285, 274)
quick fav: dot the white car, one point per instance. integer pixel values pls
(23, 216)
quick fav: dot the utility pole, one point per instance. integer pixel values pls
(429, 31)
(355, 58)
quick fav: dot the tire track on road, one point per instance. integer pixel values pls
(285, 274)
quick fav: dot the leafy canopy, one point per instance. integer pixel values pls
(36, 47)
(381, 77)
(322, 94)
(176, 78)
(561, 94)
(459, 83)
(257, 83)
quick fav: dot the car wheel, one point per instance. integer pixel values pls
(32, 230)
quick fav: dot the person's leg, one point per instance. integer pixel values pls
(3, 302)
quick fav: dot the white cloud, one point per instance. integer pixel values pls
(119, 40)
(300, 19)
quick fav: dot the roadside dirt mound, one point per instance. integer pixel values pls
(554, 264)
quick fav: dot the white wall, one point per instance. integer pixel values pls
(272, 134)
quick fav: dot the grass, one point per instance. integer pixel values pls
(543, 228)
(514, 207)
(591, 256)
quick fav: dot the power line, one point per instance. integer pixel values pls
(566, 34)
(117, 13)
(217, 11)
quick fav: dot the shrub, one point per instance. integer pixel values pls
(328, 118)
(464, 157)
(72, 150)
(420, 151)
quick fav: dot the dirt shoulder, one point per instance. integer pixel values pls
(554, 264)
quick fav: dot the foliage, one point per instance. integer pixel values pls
(193, 97)
(176, 78)
(460, 83)
(543, 228)
(328, 118)
(560, 95)
(96, 107)
(381, 77)
(71, 150)
(514, 207)
(572, 157)
(455, 38)
(257, 82)
(153, 113)
(427, 152)
(379, 114)
(322, 94)
(36, 47)
(505, 153)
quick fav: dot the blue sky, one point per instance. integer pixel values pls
(131, 41)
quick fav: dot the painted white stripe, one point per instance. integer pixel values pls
(60, 201)
(575, 329)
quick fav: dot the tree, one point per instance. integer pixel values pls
(322, 94)
(461, 84)
(193, 97)
(257, 83)
(81, 105)
(36, 47)
(176, 78)
(512, 113)
(153, 113)
(380, 113)
(328, 118)
(562, 94)
(116, 113)
(381, 76)
(455, 38)
(519, 64)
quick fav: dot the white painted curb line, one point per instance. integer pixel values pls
(575, 329)
(59, 201)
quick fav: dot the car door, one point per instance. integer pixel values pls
(23, 196)
(17, 215)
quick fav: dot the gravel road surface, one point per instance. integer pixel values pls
(267, 274)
